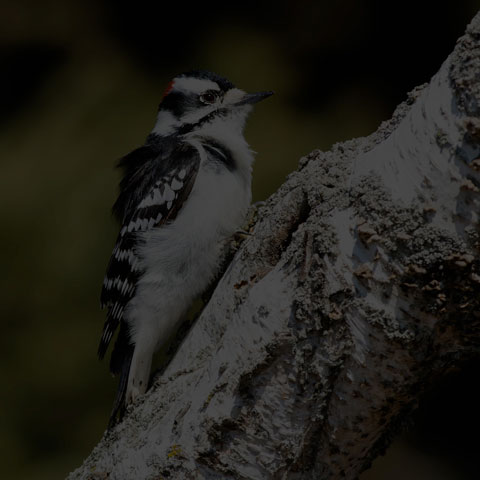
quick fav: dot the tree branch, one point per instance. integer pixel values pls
(359, 287)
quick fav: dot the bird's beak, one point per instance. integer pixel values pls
(250, 98)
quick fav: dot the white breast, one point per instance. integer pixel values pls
(181, 258)
(185, 254)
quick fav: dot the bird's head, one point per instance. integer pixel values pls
(196, 98)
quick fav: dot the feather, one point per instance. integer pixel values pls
(169, 182)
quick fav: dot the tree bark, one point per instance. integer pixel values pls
(358, 288)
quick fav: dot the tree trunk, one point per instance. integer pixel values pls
(359, 287)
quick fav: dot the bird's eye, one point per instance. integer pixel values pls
(208, 98)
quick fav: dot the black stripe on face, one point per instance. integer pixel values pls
(176, 103)
(180, 103)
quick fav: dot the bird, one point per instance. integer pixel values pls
(183, 195)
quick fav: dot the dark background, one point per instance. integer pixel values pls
(79, 86)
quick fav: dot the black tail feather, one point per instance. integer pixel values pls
(118, 409)
(120, 365)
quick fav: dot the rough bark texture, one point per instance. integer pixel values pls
(359, 287)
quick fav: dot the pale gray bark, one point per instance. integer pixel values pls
(359, 287)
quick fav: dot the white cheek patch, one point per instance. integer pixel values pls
(233, 96)
(194, 85)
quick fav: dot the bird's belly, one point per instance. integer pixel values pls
(184, 256)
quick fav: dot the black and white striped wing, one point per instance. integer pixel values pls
(161, 204)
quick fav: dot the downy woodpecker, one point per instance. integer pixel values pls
(183, 195)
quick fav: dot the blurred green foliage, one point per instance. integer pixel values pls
(80, 84)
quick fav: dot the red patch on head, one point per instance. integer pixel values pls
(168, 89)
